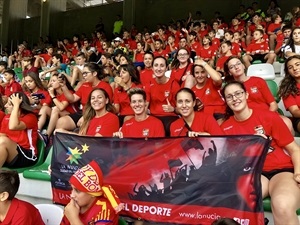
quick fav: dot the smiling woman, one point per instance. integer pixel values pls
(281, 171)
(192, 123)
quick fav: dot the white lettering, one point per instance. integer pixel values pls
(160, 211)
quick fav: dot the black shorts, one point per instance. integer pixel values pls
(295, 122)
(260, 57)
(272, 173)
(24, 158)
(75, 117)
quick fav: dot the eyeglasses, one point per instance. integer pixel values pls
(233, 66)
(84, 73)
(183, 54)
(237, 94)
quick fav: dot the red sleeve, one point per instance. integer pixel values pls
(47, 100)
(30, 120)
(290, 101)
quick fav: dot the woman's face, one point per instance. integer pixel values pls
(8, 106)
(54, 82)
(200, 75)
(103, 60)
(185, 104)
(88, 75)
(148, 59)
(30, 83)
(296, 36)
(236, 68)
(98, 100)
(125, 76)
(159, 67)
(183, 56)
(123, 60)
(236, 98)
(293, 67)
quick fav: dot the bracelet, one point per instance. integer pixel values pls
(53, 97)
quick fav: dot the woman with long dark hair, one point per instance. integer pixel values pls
(18, 139)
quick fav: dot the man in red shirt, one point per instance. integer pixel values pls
(142, 124)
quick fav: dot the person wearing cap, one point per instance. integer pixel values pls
(92, 201)
(18, 133)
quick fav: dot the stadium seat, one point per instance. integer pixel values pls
(51, 214)
(263, 70)
(19, 74)
(122, 221)
(256, 62)
(40, 159)
(40, 172)
(267, 206)
(273, 88)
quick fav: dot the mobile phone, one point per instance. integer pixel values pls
(38, 95)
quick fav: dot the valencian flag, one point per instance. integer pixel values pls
(171, 180)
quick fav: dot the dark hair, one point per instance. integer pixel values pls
(137, 91)
(9, 182)
(149, 53)
(25, 106)
(175, 63)
(226, 68)
(194, 67)
(189, 91)
(291, 42)
(225, 221)
(160, 57)
(229, 111)
(81, 54)
(10, 71)
(90, 113)
(58, 56)
(93, 67)
(129, 61)
(133, 72)
(35, 77)
(3, 63)
(288, 85)
(63, 78)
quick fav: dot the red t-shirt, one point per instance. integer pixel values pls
(72, 107)
(12, 87)
(25, 138)
(196, 47)
(257, 47)
(260, 95)
(162, 53)
(274, 27)
(121, 97)
(177, 74)
(146, 76)
(150, 127)
(139, 57)
(105, 125)
(207, 53)
(86, 88)
(270, 124)
(47, 100)
(221, 61)
(100, 212)
(21, 212)
(235, 49)
(46, 57)
(292, 100)
(202, 123)
(32, 69)
(211, 97)
(157, 95)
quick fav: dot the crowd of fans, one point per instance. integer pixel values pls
(160, 84)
